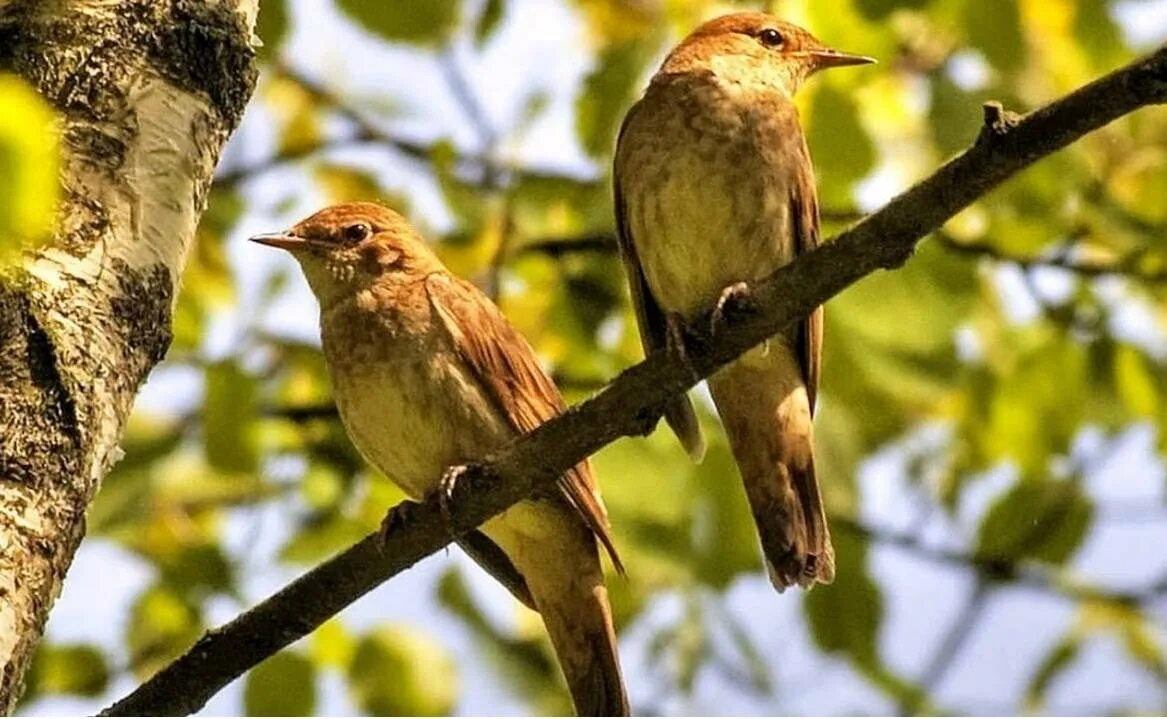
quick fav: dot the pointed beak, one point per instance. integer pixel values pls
(827, 57)
(282, 240)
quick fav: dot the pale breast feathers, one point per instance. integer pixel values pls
(697, 165)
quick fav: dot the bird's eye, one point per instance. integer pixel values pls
(357, 232)
(771, 37)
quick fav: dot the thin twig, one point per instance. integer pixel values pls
(1121, 267)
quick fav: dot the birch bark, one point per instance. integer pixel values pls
(148, 92)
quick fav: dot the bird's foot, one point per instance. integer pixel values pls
(394, 518)
(445, 490)
(734, 298)
(676, 344)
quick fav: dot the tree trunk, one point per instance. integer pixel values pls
(147, 91)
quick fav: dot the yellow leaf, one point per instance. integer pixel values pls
(28, 169)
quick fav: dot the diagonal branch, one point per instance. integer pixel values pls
(631, 404)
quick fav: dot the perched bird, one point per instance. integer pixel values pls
(714, 190)
(427, 375)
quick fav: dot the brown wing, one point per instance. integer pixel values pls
(804, 214)
(679, 413)
(522, 392)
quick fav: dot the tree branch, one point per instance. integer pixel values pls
(632, 403)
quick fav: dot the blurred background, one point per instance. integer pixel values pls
(990, 428)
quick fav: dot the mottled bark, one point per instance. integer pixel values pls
(147, 91)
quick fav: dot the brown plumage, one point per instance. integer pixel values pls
(428, 374)
(714, 187)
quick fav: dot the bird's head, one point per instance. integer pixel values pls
(345, 248)
(756, 49)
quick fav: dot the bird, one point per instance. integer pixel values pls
(714, 190)
(428, 376)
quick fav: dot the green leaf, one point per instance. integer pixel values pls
(332, 646)
(724, 541)
(880, 9)
(1027, 409)
(201, 569)
(845, 616)
(994, 28)
(322, 539)
(398, 671)
(607, 91)
(1036, 519)
(1136, 380)
(955, 115)
(840, 148)
(419, 23)
(890, 353)
(1097, 33)
(229, 412)
(28, 164)
(1057, 661)
(162, 625)
(79, 669)
(271, 26)
(283, 685)
(488, 21)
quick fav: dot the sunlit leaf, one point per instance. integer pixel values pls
(283, 685)
(840, 148)
(607, 92)
(162, 625)
(28, 164)
(80, 669)
(880, 9)
(333, 646)
(419, 23)
(322, 539)
(399, 671)
(844, 617)
(229, 411)
(1045, 520)
(271, 26)
(994, 28)
(1137, 382)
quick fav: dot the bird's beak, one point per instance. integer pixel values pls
(827, 57)
(282, 240)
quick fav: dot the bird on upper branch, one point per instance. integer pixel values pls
(714, 190)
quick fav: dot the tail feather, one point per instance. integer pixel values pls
(557, 555)
(585, 643)
(681, 416)
(764, 406)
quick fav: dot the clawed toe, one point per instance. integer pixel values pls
(445, 490)
(733, 299)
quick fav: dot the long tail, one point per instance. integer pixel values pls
(580, 624)
(558, 557)
(763, 404)
(681, 416)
